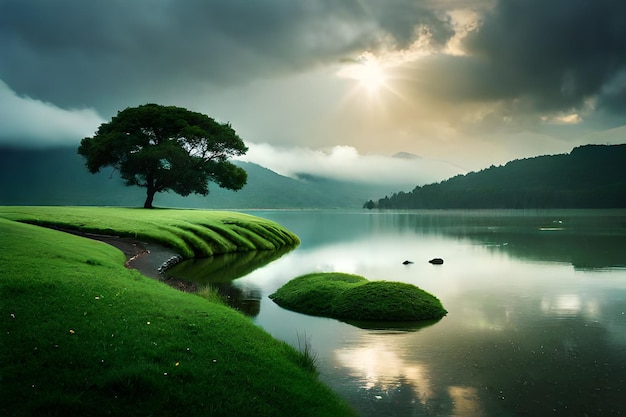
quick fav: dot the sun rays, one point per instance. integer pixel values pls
(373, 84)
(368, 71)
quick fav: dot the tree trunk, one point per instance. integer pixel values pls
(149, 198)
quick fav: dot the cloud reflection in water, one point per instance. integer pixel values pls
(388, 375)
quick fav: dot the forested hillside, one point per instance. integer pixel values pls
(59, 177)
(591, 176)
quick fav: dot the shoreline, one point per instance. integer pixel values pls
(149, 258)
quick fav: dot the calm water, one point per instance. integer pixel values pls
(536, 301)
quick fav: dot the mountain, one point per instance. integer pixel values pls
(406, 155)
(58, 177)
(591, 176)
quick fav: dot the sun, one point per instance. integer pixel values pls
(368, 71)
(371, 75)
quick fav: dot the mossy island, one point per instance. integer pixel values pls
(353, 297)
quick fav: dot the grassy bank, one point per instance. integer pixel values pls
(192, 233)
(353, 297)
(83, 335)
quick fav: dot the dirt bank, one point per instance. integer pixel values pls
(146, 257)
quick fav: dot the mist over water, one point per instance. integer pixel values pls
(536, 302)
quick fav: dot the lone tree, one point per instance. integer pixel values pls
(166, 148)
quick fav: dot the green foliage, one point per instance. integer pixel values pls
(369, 204)
(166, 148)
(83, 335)
(307, 358)
(353, 297)
(210, 293)
(192, 233)
(591, 176)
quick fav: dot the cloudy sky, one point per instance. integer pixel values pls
(309, 84)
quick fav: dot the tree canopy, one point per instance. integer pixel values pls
(166, 148)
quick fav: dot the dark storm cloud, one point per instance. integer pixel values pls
(535, 56)
(528, 63)
(554, 54)
(77, 53)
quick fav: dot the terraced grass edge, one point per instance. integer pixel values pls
(191, 233)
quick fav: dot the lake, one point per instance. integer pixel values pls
(536, 304)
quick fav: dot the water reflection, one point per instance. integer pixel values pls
(245, 299)
(218, 272)
(466, 401)
(536, 323)
(394, 381)
(391, 326)
(378, 366)
(224, 268)
(586, 239)
(527, 364)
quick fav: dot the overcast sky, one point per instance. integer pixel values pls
(463, 83)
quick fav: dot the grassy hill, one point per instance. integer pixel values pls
(84, 336)
(590, 176)
(191, 233)
(58, 177)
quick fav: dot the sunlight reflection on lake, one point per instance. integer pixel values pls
(536, 304)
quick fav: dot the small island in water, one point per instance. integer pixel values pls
(352, 297)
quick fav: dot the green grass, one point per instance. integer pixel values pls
(211, 294)
(192, 233)
(83, 335)
(352, 297)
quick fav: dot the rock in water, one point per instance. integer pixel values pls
(173, 260)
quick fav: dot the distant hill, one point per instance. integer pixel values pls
(58, 177)
(591, 176)
(406, 155)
